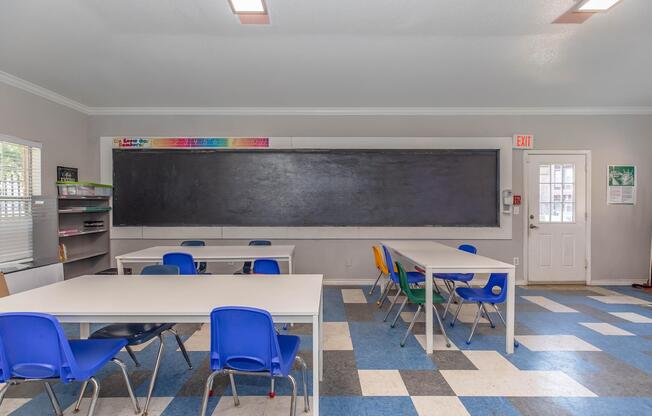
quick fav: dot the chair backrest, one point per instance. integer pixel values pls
(403, 282)
(380, 262)
(497, 280)
(468, 248)
(34, 346)
(193, 243)
(160, 269)
(392, 271)
(244, 339)
(184, 261)
(266, 266)
(246, 268)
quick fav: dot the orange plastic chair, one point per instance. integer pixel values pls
(380, 265)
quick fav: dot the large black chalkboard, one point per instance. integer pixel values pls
(306, 187)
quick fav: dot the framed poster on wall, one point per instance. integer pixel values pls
(621, 184)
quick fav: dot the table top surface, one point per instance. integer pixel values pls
(212, 252)
(184, 296)
(440, 256)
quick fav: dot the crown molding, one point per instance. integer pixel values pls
(370, 111)
(320, 111)
(42, 92)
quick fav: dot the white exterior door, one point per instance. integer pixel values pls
(557, 218)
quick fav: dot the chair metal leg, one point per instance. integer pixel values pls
(399, 312)
(152, 382)
(236, 399)
(441, 326)
(414, 319)
(130, 390)
(385, 294)
(3, 391)
(500, 315)
(181, 347)
(96, 394)
(53, 399)
(486, 313)
(132, 355)
(207, 389)
(293, 400)
(272, 387)
(81, 396)
(391, 306)
(371, 291)
(459, 308)
(304, 368)
(475, 323)
(451, 295)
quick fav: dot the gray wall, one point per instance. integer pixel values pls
(62, 131)
(620, 234)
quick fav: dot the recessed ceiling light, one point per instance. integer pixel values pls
(248, 6)
(597, 5)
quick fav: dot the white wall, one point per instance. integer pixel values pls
(620, 234)
(62, 131)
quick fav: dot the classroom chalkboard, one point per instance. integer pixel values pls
(343, 187)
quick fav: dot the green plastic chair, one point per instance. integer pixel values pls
(418, 297)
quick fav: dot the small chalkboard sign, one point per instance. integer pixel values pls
(65, 174)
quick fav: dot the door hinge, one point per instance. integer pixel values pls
(586, 215)
(586, 264)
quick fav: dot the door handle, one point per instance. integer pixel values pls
(533, 227)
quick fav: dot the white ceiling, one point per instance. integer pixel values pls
(330, 53)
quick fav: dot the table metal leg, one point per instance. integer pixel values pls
(120, 266)
(511, 295)
(84, 330)
(316, 366)
(290, 265)
(428, 311)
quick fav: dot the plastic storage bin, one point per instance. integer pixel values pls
(83, 189)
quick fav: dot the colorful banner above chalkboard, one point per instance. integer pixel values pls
(190, 142)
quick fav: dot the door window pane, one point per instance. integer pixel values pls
(557, 193)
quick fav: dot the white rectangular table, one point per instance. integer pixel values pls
(434, 257)
(179, 299)
(210, 254)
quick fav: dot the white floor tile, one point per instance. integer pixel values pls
(606, 329)
(200, 340)
(120, 406)
(514, 383)
(602, 291)
(144, 345)
(9, 405)
(555, 343)
(382, 383)
(353, 296)
(620, 300)
(439, 343)
(438, 406)
(489, 360)
(260, 406)
(337, 336)
(633, 317)
(549, 304)
(467, 314)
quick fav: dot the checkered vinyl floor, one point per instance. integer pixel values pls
(584, 351)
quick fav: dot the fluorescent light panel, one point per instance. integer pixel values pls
(597, 5)
(248, 6)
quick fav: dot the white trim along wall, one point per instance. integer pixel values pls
(503, 232)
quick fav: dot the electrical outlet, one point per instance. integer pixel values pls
(516, 261)
(349, 262)
(516, 210)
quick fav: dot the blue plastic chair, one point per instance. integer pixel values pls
(246, 268)
(266, 266)
(33, 347)
(451, 278)
(136, 334)
(201, 266)
(484, 295)
(184, 261)
(244, 341)
(413, 278)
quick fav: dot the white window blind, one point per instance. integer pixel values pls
(20, 179)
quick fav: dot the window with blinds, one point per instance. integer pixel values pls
(20, 180)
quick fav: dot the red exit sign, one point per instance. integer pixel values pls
(523, 141)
